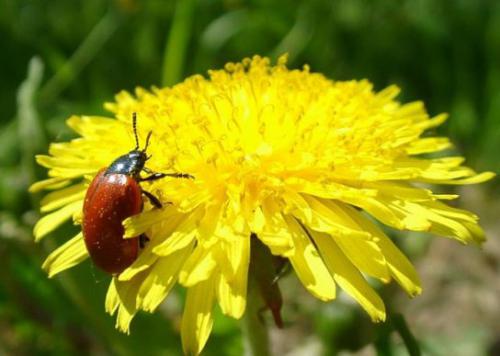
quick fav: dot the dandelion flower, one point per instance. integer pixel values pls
(289, 157)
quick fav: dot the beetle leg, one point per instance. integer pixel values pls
(155, 176)
(154, 200)
(143, 240)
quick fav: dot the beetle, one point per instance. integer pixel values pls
(114, 195)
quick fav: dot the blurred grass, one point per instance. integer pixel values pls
(446, 53)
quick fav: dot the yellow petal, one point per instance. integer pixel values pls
(66, 163)
(433, 122)
(400, 267)
(364, 253)
(112, 300)
(198, 267)
(90, 125)
(428, 144)
(139, 224)
(127, 296)
(62, 197)
(446, 196)
(194, 200)
(208, 222)
(144, 261)
(401, 190)
(232, 287)
(348, 277)
(73, 173)
(160, 280)
(197, 318)
(231, 296)
(232, 248)
(66, 256)
(333, 190)
(453, 213)
(182, 235)
(474, 179)
(325, 220)
(257, 220)
(476, 231)
(380, 210)
(275, 233)
(441, 224)
(308, 265)
(52, 221)
(296, 203)
(50, 183)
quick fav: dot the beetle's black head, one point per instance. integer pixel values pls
(132, 163)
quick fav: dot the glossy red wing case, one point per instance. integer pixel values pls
(110, 199)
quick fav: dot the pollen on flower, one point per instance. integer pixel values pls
(299, 161)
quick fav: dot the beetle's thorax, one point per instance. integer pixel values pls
(130, 164)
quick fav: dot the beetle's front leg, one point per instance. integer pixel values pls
(154, 175)
(154, 200)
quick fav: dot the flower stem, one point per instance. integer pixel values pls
(255, 333)
(411, 343)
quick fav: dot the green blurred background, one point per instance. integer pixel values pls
(60, 58)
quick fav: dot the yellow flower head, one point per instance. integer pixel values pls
(299, 161)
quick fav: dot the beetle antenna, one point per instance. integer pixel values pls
(134, 125)
(147, 141)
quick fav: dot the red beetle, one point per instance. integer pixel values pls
(113, 196)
